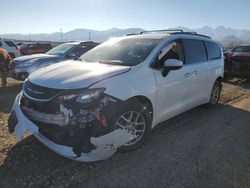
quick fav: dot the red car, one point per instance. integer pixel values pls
(237, 61)
(35, 48)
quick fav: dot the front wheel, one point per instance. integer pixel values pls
(135, 118)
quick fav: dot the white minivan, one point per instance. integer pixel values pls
(114, 95)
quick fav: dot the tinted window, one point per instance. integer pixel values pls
(31, 46)
(194, 51)
(0, 44)
(78, 51)
(10, 43)
(24, 46)
(213, 50)
(45, 45)
(173, 50)
(61, 49)
(241, 49)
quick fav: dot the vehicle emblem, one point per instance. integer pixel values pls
(35, 92)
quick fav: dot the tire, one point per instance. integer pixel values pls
(215, 94)
(118, 121)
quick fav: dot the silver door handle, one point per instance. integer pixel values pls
(191, 74)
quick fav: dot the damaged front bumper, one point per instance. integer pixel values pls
(104, 146)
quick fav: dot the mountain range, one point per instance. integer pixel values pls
(228, 37)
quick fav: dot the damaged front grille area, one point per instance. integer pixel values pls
(72, 136)
(70, 123)
(39, 92)
(50, 107)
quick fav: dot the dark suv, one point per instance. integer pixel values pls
(237, 61)
(35, 48)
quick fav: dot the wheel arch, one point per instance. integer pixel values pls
(145, 101)
(219, 79)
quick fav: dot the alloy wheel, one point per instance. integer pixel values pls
(135, 123)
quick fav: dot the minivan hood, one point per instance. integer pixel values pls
(74, 74)
(34, 56)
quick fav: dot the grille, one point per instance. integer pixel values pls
(39, 92)
(49, 107)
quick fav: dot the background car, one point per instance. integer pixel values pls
(237, 61)
(19, 43)
(21, 67)
(11, 47)
(35, 48)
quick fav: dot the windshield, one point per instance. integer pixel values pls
(61, 49)
(127, 52)
(23, 46)
(242, 49)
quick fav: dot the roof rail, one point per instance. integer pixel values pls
(191, 33)
(163, 30)
(175, 31)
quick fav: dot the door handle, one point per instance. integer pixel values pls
(189, 74)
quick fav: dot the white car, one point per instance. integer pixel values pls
(11, 47)
(115, 94)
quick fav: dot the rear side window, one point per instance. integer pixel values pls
(0, 43)
(213, 50)
(194, 51)
(10, 43)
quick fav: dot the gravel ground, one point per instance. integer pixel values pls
(199, 148)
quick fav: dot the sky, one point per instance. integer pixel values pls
(47, 16)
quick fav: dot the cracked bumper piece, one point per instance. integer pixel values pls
(104, 146)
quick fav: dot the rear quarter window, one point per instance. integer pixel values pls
(213, 50)
(194, 51)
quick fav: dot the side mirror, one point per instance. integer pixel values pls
(171, 64)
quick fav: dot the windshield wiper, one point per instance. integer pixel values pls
(112, 62)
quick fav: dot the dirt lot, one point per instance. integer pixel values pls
(199, 148)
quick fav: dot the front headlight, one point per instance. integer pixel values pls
(83, 97)
(28, 63)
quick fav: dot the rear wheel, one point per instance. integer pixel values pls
(215, 94)
(135, 118)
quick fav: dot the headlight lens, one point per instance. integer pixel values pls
(84, 97)
(28, 63)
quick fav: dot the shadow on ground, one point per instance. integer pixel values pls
(199, 148)
(241, 82)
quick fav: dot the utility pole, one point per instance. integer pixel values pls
(61, 34)
(89, 36)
